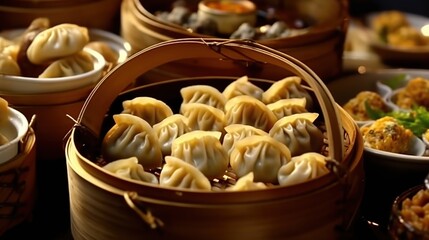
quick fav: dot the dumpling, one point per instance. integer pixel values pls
(78, 63)
(203, 117)
(250, 111)
(150, 109)
(289, 87)
(105, 50)
(242, 86)
(246, 183)
(132, 136)
(169, 129)
(57, 42)
(299, 133)
(180, 174)
(4, 110)
(261, 155)
(302, 168)
(236, 132)
(130, 168)
(204, 94)
(8, 66)
(287, 107)
(203, 150)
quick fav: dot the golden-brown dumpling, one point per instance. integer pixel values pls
(150, 109)
(261, 155)
(250, 111)
(4, 110)
(57, 42)
(8, 66)
(180, 174)
(132, 136)
(299, 133)
(78, 63)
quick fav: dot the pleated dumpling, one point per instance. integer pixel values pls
(169, 129)
(261, 155)
(8, 66)
(287, 107)
(78, 63)
(132, 136)
(299, 133)
(250, 111)
(180, 174)
(242, 86)
(289, 87)
(236, 132)
(57, 42)
(302, 168)
(150, 109)
(203, 117)
(130, 168)
(204, 94)
(203, 150)
(246, 183)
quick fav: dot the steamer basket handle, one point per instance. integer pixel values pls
(147, 216)
(117, 80)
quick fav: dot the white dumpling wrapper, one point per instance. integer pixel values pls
(287, 107)
(203, 150)
(169, 129)
(203, 117)
(130, 168)
(236, 132)
(204, 94)
(246, 183)
(180, 174)
(302, 168)
(78, 63)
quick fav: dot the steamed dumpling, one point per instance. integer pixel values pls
(246, 183)
(57, 42)
(78, 63)
(203, 117)
(302, 168)
(289, 87)
(150, 109)
(242, 86)
(203, 150)
(132, 136)
(250, 111)
(299, 133)
(287, 107)
(130, 168)
(180, 174)
(236, 132)
(261, 155)
(169, 129)
(204, 94)
(4, 110)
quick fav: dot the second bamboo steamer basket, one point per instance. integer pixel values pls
(321, 48)
(103, 206)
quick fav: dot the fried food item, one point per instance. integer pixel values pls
(356, 106)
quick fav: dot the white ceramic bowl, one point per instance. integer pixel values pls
(227, 21)
(14, 130)
(31, 85)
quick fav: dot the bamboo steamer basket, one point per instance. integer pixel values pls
(321, 48)
(103, 206)
(17, 184)
(20, 13)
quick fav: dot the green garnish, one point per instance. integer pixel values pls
(417, 119)
(396, 81)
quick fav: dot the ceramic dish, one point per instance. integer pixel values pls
(31, 85)
(14, 130)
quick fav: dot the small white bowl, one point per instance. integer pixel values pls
(14, 130)
(227, 21)
(31, 85)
